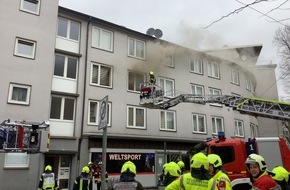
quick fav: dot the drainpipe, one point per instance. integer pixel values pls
(84, 96)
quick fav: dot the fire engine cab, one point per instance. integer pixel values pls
(234, 152)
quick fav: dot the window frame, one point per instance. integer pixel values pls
(100, 37)
(235, 75)
(27, 42)
(65, 69)
(254, 130)
(214, 127)
(62, 108)
(237, 131)
(165, 120)
(97, 113)
(170, 60)
(164, 87)
(211, 69)
(99, 75)
(135, 48)
(68, 32)
(28, 94)
(135, 82)
(196, 62)
(134, 126)
(219, 94)
(197, 86)
(14, 156)
(22, 8)
(197, 115)
(248, 82)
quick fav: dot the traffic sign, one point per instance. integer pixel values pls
(103, 116)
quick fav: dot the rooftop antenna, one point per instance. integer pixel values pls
(158, 33)
(150, 31)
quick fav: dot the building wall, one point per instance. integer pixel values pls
(85, 139)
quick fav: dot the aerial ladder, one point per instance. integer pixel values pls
(152, 96)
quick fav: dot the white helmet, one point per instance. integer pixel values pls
(255, 158)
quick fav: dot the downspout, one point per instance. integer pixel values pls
(84, 94)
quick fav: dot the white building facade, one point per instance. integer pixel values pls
(66, 62)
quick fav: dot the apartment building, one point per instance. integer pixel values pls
(58, 64)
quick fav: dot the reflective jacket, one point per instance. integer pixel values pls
(220, 181)
(187, 182)
(127, 181)
(265, 182)
(47, 181)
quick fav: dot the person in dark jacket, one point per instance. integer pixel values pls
(127, 178)
(48, 180)
(84, 181)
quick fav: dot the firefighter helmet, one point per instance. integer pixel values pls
(151, 73)
(90, 163)
(100, 163)
(129, 167)
(199, 161)
(181, 164)
(86, 170)
(215, 160)
(255, 158)
(48, 168)
(172, 169)
(280, 174)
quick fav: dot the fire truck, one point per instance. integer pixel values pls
(234, 151)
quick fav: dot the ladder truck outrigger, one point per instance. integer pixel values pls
(233, 151)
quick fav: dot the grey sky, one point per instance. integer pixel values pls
(182, 21)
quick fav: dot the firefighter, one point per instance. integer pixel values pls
(152, 79)
(198, 177)
(48, 179)
(259, 176)
(127, 178)
(181, 164)
(83, 181)
(92, 169)
(220, 180)
(98, 175)
(281, 176)
(171, 172)
(161, 177)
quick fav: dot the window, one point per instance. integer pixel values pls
(136, 117)
(197, 90)
(31, 6)
(19, 94)
(196, 65)
(101, 75)
(102, 39)
(136, 48)
(213, 69)
(62, 108)
(239, 128)
(94, 113)
(169, 60)
(134, 81)
(248, 84)
(16, 160)
(167, 120)
(226, 153)
(168, 86)
(215, 92)
(235, 77)
(65, 66)
(68, 29)
(254, 130)
(25, 48)
(217, 124)
(198, 123)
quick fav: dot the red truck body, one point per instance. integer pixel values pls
(234, 152)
